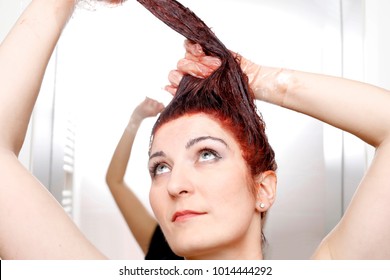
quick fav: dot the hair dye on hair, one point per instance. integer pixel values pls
(224, 95)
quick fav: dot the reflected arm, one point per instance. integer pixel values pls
(137, 217)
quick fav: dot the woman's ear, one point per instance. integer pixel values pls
(266, 190)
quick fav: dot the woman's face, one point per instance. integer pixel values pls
(200, 191)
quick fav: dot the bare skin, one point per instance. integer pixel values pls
(140, 222)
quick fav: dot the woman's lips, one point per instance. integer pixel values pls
(186, 214)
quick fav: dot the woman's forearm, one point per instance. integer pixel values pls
(120, 159)
(24, 55)
(356, 107)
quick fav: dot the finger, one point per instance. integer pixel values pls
(193, 48)
(211, 62)
(171, 89)
(192, 57)
(175, 77)
(195, 69)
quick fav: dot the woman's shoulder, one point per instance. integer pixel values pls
(323, 251)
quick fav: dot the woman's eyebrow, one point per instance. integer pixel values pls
(157, 154)
(190, 144)
(203, 138)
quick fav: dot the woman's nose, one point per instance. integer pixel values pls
(180, 182)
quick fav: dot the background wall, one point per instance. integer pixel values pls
(109, 59)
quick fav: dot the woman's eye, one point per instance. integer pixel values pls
(207, 155)
(158, 168)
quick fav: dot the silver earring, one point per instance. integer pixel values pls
(262, 205)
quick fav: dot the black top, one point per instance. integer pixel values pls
(159, 248)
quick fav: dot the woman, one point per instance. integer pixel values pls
(141, 223)
(355, 107)
(184, 147)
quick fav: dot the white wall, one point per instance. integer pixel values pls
(10, 11)
(377, 45)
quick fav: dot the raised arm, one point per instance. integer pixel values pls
(138, 219)
(32, 224)
(24, 55)
(355, 107)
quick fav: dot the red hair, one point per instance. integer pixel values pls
(225, 94)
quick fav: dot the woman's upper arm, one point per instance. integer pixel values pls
(33, 224)
(364, 230)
